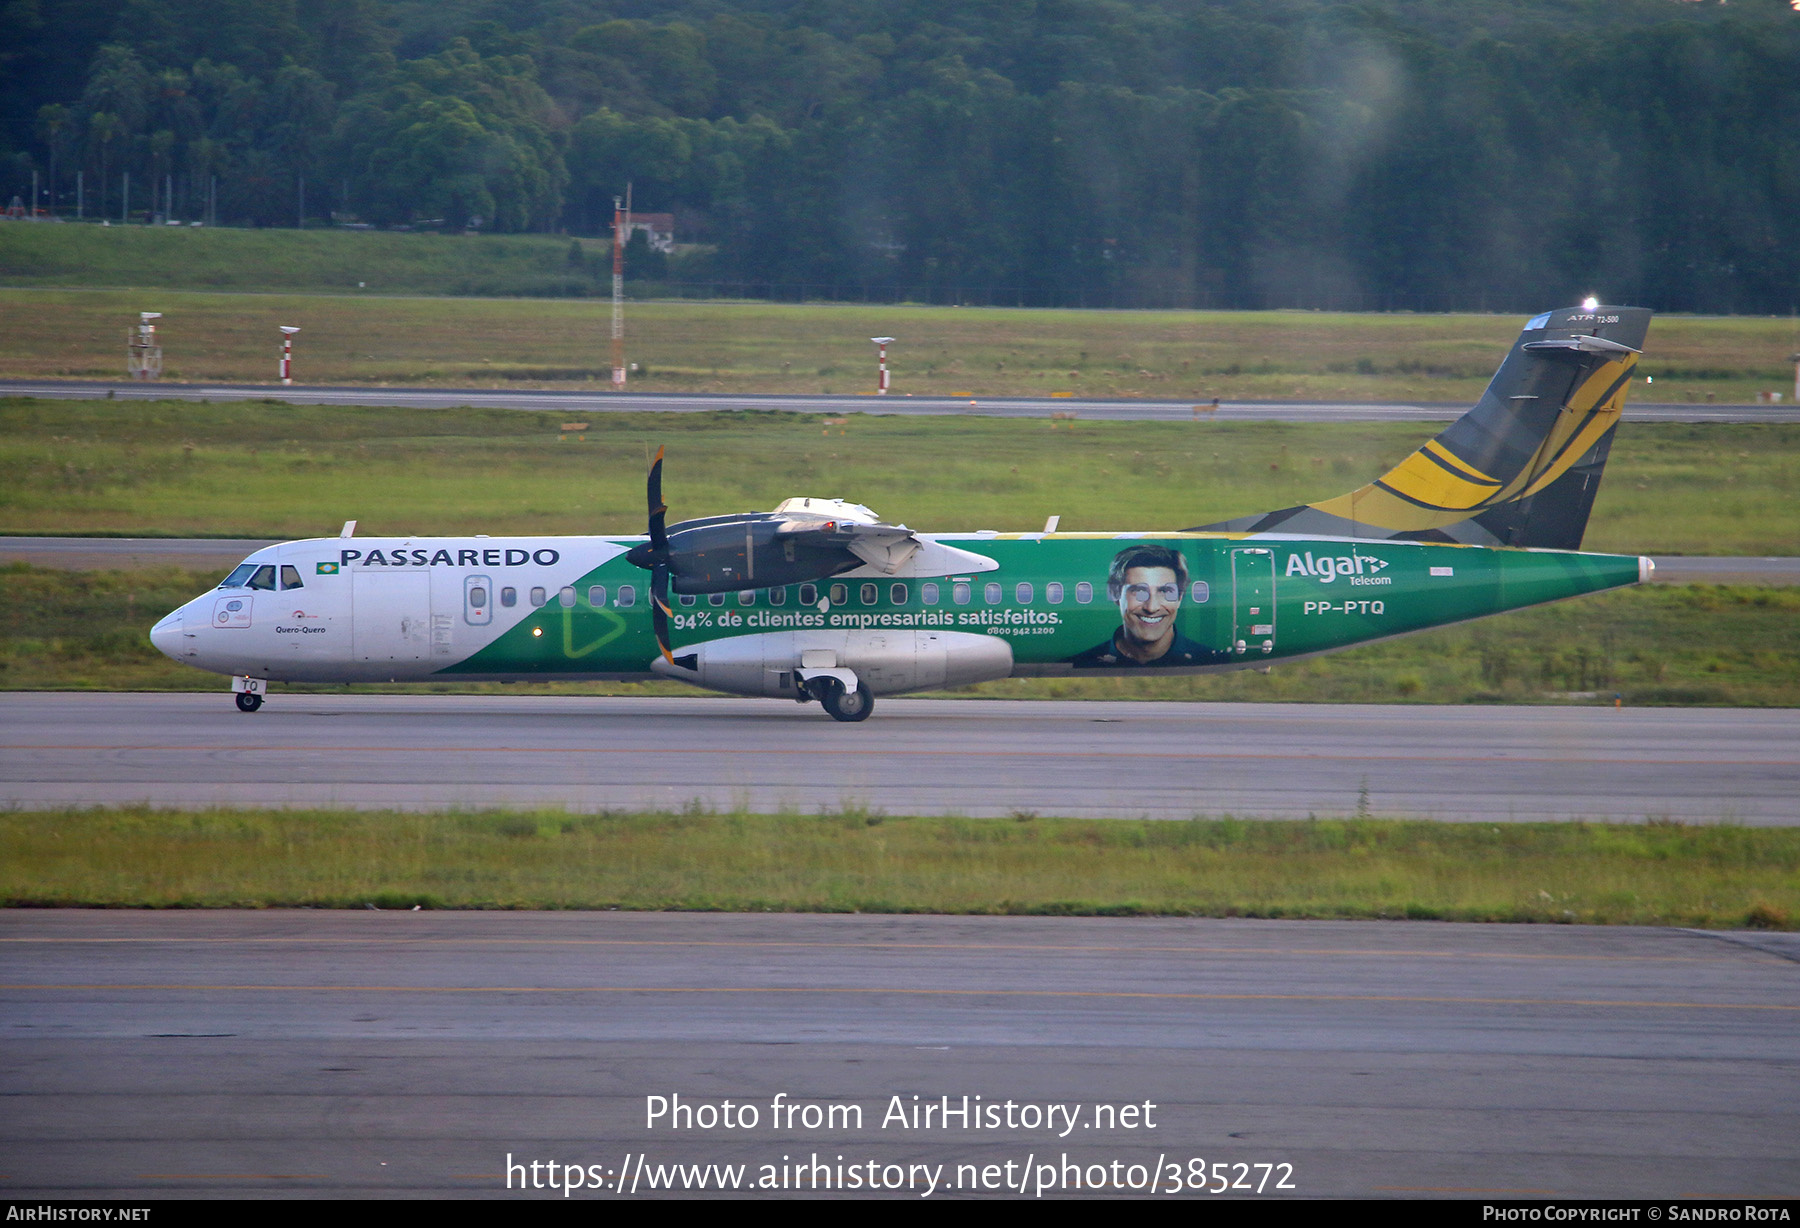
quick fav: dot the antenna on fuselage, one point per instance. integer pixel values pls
(349, 529)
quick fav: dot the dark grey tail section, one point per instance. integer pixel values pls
(1556, 516)
(1521, 468)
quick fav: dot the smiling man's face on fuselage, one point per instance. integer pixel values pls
(1149, 600)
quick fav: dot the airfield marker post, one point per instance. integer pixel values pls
(881, 379)
(287, 352)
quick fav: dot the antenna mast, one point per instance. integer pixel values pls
(621, 222)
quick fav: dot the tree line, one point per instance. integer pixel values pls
(1139, 152)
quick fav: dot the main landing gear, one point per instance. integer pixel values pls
(842, 704)
(250, 692)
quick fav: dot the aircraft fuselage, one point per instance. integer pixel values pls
(524, 608)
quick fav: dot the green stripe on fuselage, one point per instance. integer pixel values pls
(1328, 594)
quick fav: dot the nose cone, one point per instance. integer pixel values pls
(166, 636)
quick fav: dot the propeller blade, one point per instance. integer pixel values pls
(659, 609)
(654, 552)
(659, 537)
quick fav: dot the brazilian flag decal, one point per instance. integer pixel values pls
(327, 569)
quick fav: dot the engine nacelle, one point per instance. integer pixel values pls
(800, 541)
(721, 554)
(886, 662)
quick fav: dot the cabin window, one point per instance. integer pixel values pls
(597, 596)
(627, 595)
(778, 596)
(928, 593)
(263, 578)
(687, 599)
(871, 593)
(840, 593)
(747, 596)
(476, 594)
(991, 592)
(897, 594)
(509, 596)
(715, 599)
(1023, 594)
(1202, 592)
(565, 597)
(238, 575)
(959, 592)
(1053, 592)
(538, 596)
(290, 577)
(1084, 593)
(809, 594)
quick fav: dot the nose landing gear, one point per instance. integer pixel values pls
(250, 692)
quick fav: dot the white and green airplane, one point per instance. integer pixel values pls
(821, 600)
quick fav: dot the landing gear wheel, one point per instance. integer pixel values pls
(247, 702)
(847, 705)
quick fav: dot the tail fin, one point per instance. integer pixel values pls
(1521, 468)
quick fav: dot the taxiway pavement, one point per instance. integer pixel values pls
(580, 402)
(914, 756)
(412, 1054)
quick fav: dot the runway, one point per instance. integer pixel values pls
(580, 402)
(184, 1055)
(130, 553)
(915, 756)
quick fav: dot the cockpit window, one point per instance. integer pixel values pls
(264, 578)
(290, 577)
(238, 575)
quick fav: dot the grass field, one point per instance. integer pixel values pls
(301, 260)
(1657, 873)
(357, 338)
(258, 469)
(64, 630)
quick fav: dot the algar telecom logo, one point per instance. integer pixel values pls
(1360, 568)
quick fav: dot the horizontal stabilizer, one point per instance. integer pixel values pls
(1579, 345)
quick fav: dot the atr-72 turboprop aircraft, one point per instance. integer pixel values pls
(820, 599)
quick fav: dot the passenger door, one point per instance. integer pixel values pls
(1253, 602)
